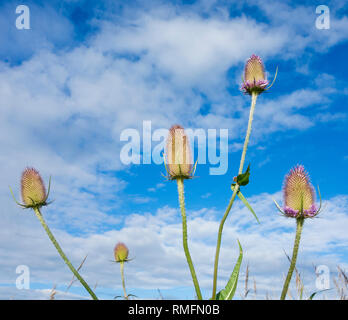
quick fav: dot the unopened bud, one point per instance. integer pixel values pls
(32, 188)
(121, 252)
(178, 154)
(254, 76)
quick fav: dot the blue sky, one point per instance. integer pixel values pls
(87, 70)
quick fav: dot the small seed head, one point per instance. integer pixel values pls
(254, 76)
(178, 153)
(32, 188)
(121, 252)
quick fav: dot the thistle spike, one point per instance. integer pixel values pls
(254, 80)
(299, 195)
(178, 154)
(33, 191)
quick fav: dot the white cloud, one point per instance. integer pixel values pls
(12, 293)
(206, 195)
(298, 21)
(62, 112)
(49, 29)
(191, 50)
(158, 186)
(155, 243)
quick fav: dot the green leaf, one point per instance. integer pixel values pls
(230, 289)
(314, 293)
(246, 203)
(320, 201)
(243, 178)
(301, 292)
(278, 206)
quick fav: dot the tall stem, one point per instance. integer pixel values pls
(247, 136)
(60, 251)
(180, 183)
(218, 245)
(299, 223)
(236, 189)
(123, 282)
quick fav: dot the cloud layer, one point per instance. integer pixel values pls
(155, 243)
(64, 104)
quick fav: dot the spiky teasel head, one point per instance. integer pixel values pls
(299, 195)
(121, 252)
(254, 80)
(178, 160)
(33, 189)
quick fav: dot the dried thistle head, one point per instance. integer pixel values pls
(179, 162)
(299, 196)
(254, 76)
(121, 252)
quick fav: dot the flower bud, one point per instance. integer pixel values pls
(254, 76)
(178, 154)
(299, 194)
(32, 188)
(121, 252)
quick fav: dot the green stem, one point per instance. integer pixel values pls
(299, 223)
(236, 189)
(246, 141)
(180, 183)
(60, 251)
(123, 282)
(218, 245)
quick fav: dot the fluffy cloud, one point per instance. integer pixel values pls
(190, 50)
(62, 111)
(155, 243)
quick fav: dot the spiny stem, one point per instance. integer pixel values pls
(246, 141)
(299, 223)
(236, 189)
(180, 183)
(123, 282)
(60, 251)
(218, 245)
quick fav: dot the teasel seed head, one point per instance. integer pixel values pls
(299, 195)
(121, 252)
(178, 160)
(33, 190)
(254, 80)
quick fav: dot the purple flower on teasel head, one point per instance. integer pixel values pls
(254, 76)
(299, 196)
